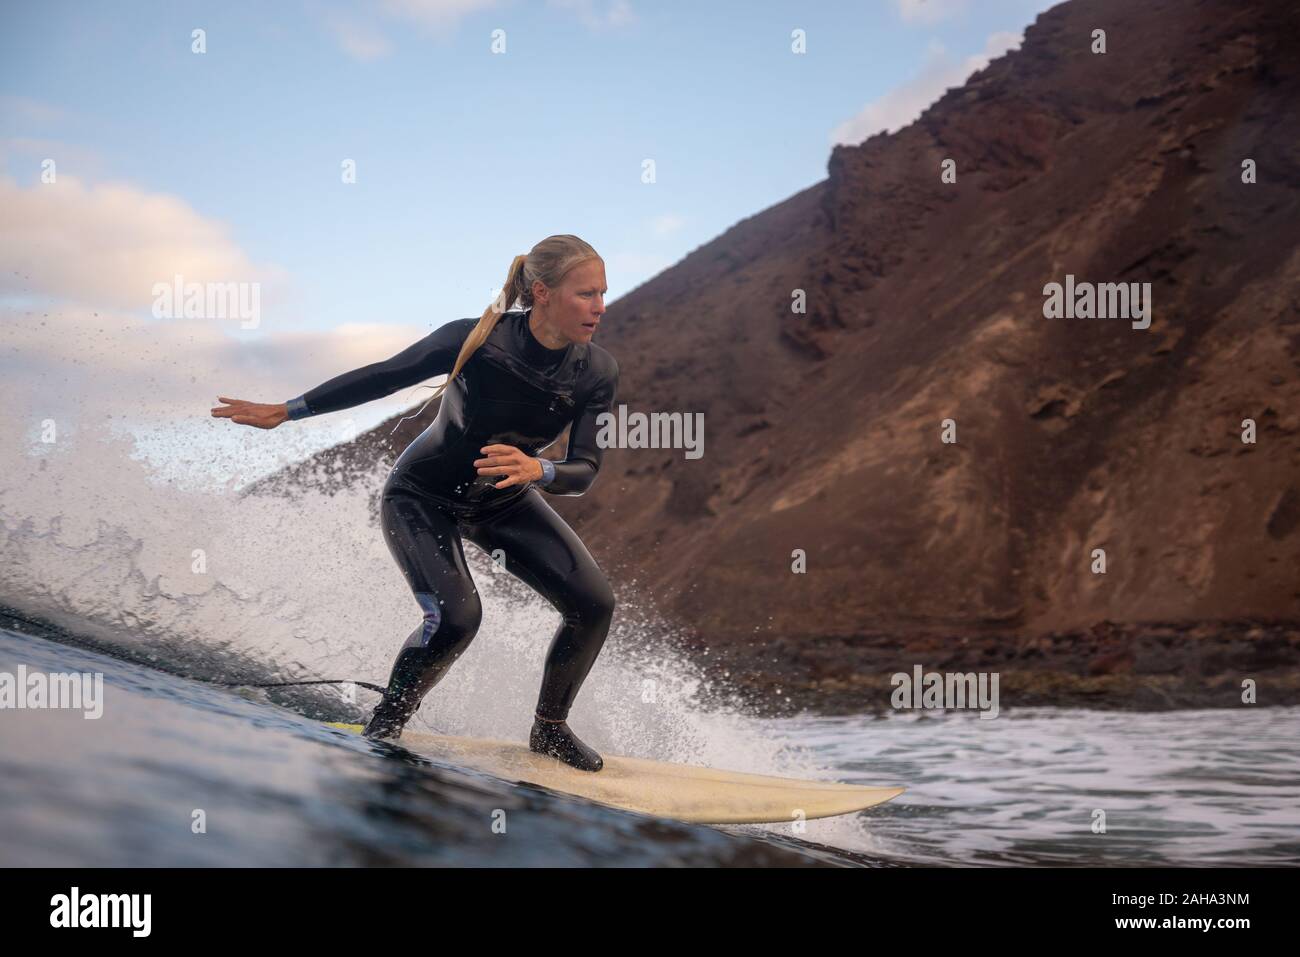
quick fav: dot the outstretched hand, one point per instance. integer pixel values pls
(257, 414)
(516, 465)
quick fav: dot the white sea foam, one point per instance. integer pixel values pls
(136, 535)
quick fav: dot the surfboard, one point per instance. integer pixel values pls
(681, 792)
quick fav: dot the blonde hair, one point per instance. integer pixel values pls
(549, 261)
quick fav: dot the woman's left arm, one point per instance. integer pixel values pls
(578, 471)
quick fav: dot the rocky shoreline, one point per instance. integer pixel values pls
(1144, 666)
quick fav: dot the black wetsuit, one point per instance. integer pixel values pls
(512, 391)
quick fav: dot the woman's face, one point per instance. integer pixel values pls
(573, 308)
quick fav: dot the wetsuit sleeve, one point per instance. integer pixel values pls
(433, 355)
(575, 474)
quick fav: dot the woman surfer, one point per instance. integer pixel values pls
(515, 380)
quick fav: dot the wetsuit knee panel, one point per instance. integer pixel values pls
(595, 604)
(460, 617)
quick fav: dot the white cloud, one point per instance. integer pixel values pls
(76, 333)
(109, 244)
(23, 109)
(667, 223)
(635, 268)
(616, 13)
(94, 363)
(436, 14)
(79, 343)
(444, 14)
(24, 148)
(94, 373)
(30, 152)
(939, 72)
(361, 41)
(930, 11)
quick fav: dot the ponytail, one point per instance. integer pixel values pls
(548, 261)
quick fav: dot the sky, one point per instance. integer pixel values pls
(370, 170)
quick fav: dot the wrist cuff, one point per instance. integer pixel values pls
(548, 471)
(298, 408)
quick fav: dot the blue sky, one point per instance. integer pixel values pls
(227, 163)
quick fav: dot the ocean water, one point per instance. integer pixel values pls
(176, 772)
(168, 586)
(274, 787)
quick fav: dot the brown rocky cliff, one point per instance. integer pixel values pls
(925, 303)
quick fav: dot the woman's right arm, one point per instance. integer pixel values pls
(433, 355)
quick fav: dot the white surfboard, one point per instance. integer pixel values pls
(678, 791)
